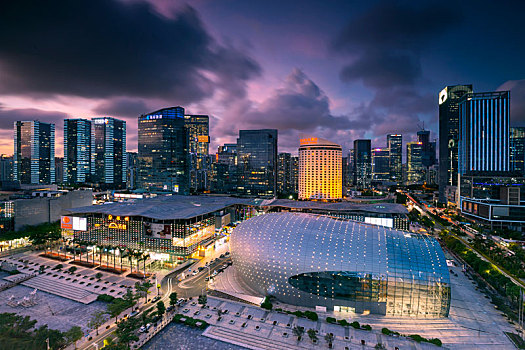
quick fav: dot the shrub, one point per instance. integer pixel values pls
(14, 272)
(435, 341)
(278, 309)
(355, 324)
(98, 275)
(266, 304)
(366, 327)
(417, 337)
(58, 267)
(298, 313)
(331, 320)
(343, 323)
(386, 331)
(106, 298)
(311, 315)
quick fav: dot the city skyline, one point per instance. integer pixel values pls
(320, 75)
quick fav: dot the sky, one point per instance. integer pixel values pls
(340, 70)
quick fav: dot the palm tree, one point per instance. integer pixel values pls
(130, 258)
(145, 257)
(329, 337)
(120, 251)
(100, 247)
(138, 256)
(298, 332)
(311, 333)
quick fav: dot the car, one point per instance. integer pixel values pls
(148, 326)
(134, 313)
(227, 253)
(207, 279)
(201, 268)
(169, 308)
(142, 329)
(222, 256)
(194, 273)
(157, 298)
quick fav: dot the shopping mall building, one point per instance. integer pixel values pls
(175, 228)
(342, 265)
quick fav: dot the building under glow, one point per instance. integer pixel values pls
(320, 169)
(342, 265)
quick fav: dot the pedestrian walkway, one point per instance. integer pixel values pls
(64, 290)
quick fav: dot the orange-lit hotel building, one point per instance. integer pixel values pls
(320, 169)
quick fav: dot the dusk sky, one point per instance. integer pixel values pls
(340, 70)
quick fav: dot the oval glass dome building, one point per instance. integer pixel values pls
(312, 260)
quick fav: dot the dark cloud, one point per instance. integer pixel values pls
(9, 116)
(103, 48)
(123, 107)
(517, 100)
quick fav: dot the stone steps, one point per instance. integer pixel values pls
(64, 290)
(247, 340)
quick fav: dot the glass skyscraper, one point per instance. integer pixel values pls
(77, 151)
(198, 127)
(449, 135)
(362, 163)
(517, 150)
(257, 162)
(484, 133)
(163, 151)
(395, 145)
(415, 166)
(109, 152)
(380, 164)
(34, 152)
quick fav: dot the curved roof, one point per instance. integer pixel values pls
(294, 243)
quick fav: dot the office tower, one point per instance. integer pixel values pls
(362, 163)
(320, 169)
(415, 167)
(381, 164)
(77, 151)
(517, 150)
(6, 168)
(224, 169)
(59, 170)
(163, 151)
(108, 153)
(351, 168)
(428, 156)
(198, 127)
(395, 145)
(345, 174)
(34, 152)
(257, 162)
(294, 177)
(449, 135)
(484, 133)
(285, 174)
(132, 165)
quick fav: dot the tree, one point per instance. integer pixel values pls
(329, 337)
(203, 299)
(161, 309)
(143, 288)
(312, 334)
(298, 332)
(126, 331)
(73, 335)
(145, 317)
(116, 307)
(173, 298)
(97, 319)
(129, 253)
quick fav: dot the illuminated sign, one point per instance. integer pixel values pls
(117, 226)
(66, 223)
(203, 138)
(128, 195)
(79, 224)
(308, 141)
(101, 121)
(443, 96)
(388, 222)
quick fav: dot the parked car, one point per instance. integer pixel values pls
(142, 329)
(157, 298)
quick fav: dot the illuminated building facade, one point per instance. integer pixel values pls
(257, 162)
(449, 136)
(395, 147)
(343, 265)
(109, 168)
(198, 127)
(380, 164)
(362, 163)
(175, 226)
(163, 156)
(287, 173)
(224, 169)
(77, 151)
(34, 152)
(517, 150)
(415, 167)
(320, 169)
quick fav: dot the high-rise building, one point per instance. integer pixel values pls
(320, 169)
(428, 157)
(59, 170)
(77, 161)
(34, 152)
(224, 169)
(449, 135)
(395, 145)
(484, 133)
(294, 177)
(109, 168)
(362, 163)
(198, 127)
(415, 168)
(381, 164)
(257, 162)
(6, 168)
(132, 164)
(163, 151)
(286, 181)
(517, 150)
